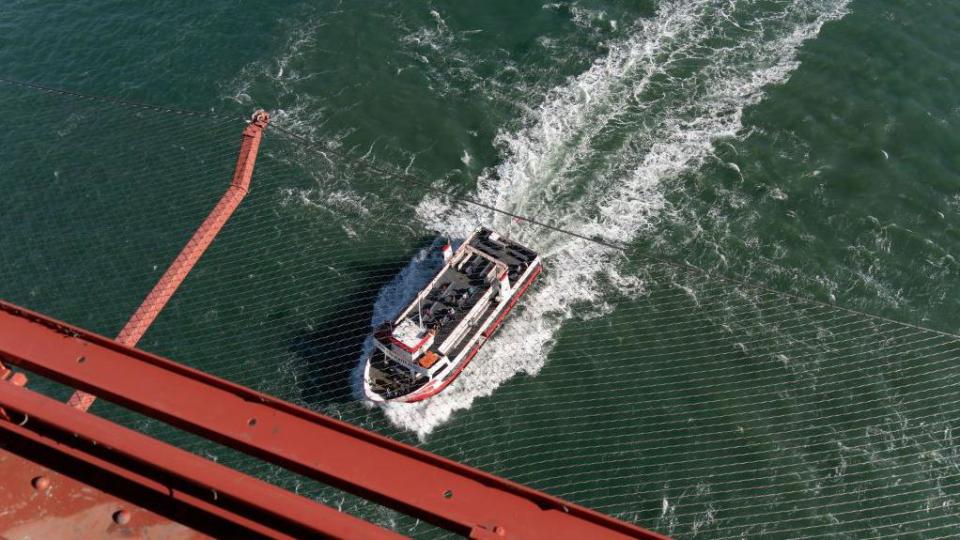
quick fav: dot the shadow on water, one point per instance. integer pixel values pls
(328, 353)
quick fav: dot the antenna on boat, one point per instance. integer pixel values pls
(419, 312)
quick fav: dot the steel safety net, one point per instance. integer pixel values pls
(96, 198)
(625, 380)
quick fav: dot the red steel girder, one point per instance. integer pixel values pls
(230, 502)
(451, 495)
(66, 503)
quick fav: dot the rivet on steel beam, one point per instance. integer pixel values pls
(81, 359)
(252, 422)
(499, 531)
(121, 517)
(448, 494)
(40, 483)
(18, 379)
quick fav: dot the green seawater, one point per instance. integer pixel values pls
(810, 146)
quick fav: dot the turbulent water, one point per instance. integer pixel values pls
(808, 145)
(648, 131)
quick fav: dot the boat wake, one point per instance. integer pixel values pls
(596, 157)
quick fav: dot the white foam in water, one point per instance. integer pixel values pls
(666, 132)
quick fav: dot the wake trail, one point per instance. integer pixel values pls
(595, 157)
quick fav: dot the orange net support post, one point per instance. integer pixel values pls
(154, 303)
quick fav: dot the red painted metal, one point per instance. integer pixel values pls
(222, 493)
(15, 378)
(154, 303)
(449, 494)
(39, 502)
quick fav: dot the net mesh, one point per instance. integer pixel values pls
(691, 404)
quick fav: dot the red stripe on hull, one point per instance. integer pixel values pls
(486, 335)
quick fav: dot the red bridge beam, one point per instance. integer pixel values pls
(154, 303)
(229, 502)
(448, 494)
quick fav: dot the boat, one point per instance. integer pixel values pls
(421, 351)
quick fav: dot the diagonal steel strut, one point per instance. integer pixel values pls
(168, 284)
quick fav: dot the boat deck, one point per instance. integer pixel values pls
(391, 380)
(481, 320)
(517, 257)
(456, 292)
